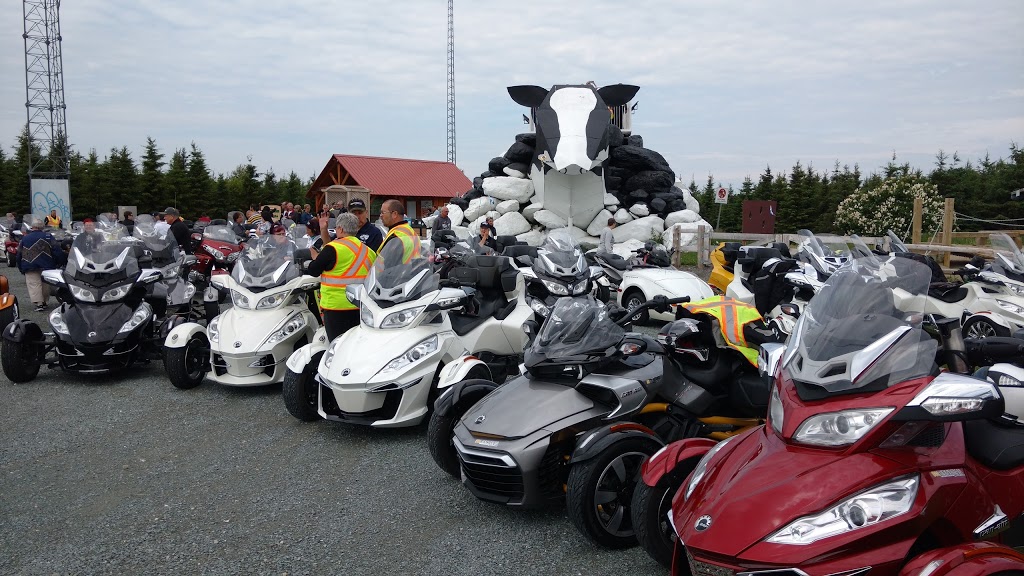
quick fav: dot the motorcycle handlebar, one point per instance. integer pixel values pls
(659, 303)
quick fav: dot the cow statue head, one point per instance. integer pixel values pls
(572, 143)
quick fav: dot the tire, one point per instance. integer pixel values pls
(21, 360)
(186, 366)
(603, 293)
(613, 474)
(301, 395)
(980, 326)
(441, 429)
(635, 298)
(650, 513)
(9, 314)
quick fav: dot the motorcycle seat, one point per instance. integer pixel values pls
(618, 263)
(995, 444)
(947, 292)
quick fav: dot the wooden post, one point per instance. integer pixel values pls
(947, 229)
(915, 235)
(676, 247)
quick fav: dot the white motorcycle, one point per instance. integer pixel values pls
(414, 325)
(247, 345)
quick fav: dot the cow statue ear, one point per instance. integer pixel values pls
(618, 94)
(529, 96)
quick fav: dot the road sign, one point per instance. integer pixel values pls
(722, 196)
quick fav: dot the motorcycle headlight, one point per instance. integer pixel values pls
(365, 316)
(57, 323)
(272, 301)
(239, 300)
(329, 355)
(580, 287)
(839, 428)
(1017, 289)
(402, 318)
(217, 254)
(702, 467)
(556, 288)
(291, 327)
(190, 291)
(115, 294)
(82, 294)
(233, 256)
(865, 509)
(213, 330)
(415, 354)
(539, 308)
(775, 411)
(142, 313)
(1010, 307)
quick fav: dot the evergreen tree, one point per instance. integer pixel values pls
(150, 194)
(121, 181)
(176, 179)
(89, 178)
(199, 199)
(21, 197)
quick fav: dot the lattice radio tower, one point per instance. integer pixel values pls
(451, 81)
(44, 90)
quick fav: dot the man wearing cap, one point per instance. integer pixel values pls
(392, 214)
(368, 232)
(178, 229)
(343, 262)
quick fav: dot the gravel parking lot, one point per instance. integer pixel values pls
(127, 475)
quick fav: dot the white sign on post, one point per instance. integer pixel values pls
(50, 195)
(722, 196)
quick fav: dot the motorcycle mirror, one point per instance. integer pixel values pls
(790, 309)
(189, 260)
(218, 281)
(354, 293)
(633, 347)
(769, 357)
(596, 272)
(150, 276)
(954, 398)
(53, 277)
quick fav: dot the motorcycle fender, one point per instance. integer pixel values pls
(182, 333)
(968, 559)
(22, 330)
(464, 391)
(996, 318)
(670, 456)
(457, 370)
(597, 441)
(299, 359)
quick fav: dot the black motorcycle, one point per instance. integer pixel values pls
(103, 323)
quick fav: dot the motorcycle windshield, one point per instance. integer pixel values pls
(395, 278)
(102, 258)
(863, 330)
(1008, 252)
(895, 244)
(161, 244)
(560, 255)
(8, 223)
(264, 264)
(577, 326)
(220, 232)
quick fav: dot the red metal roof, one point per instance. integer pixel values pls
(401, 177)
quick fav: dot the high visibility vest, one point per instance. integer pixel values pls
(52, 222)
(731, 316)
(409, 239)
(352, 264)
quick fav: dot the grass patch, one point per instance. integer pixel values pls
(688, 259)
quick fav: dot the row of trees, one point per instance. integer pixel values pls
(153, 182)
(810, 198)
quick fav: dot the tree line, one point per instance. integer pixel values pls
(808, 197)
(151, 182)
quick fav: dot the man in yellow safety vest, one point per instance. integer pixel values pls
(342, 262)
(392, 214)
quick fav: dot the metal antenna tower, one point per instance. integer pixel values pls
(451, 81)
(44, 90)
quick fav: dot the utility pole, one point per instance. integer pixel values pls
(451, 81)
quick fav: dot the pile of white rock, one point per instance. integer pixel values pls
(506, 193)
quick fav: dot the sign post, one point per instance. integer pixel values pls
(721, 197)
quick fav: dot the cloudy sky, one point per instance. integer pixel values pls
(727, 87)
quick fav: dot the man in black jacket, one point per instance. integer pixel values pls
(179, 229)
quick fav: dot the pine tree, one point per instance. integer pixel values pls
(176, 179)
(150, 193)
(199, 199)
(122, 180)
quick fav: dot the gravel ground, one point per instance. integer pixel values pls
(128, 475)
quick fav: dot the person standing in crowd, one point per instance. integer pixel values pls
(53, 221)
(252, 216)
(178, 229)
(128, 222)
(485, 243)
(38, 251)
(161, 227)
(238, 224)
(343, 261)
(393, 216)
(442, 222)
(316, 242)
(90, 238)
(306, 215)
(607, 238)
(369, 233)
(490, 224)
(267, 220)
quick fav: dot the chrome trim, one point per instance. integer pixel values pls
(949, 385)
(995, 523)
(866, 357)
(779, 571)
(504, 458)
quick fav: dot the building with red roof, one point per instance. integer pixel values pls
(421, 185)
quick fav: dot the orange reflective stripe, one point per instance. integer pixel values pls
(357, 262)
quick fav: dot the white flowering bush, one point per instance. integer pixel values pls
(890, 206)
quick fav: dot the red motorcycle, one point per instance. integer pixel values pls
(216, 249)
(872, 460)
(12, 233)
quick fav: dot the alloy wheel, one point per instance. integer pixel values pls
(614, 493)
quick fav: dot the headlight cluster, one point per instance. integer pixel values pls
(82, 294)
(272, 301)
(1010, 307)
(217, 254)
(329, 355)
(115, 294)
(58, 324)
(539, 308)
(233, 256)
(292, 326)
(402, 318)
(213, 330)
(702, 467)
(415, 354)
(865, 509)
(839, 428)
(239, 300)
(776, 413)
(366, 316)
(559, 289)
(142, 313)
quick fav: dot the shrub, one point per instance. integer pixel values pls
(890, 206)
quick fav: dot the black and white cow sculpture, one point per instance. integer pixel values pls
(572, 144)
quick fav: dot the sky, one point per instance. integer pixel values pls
(727, 87)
